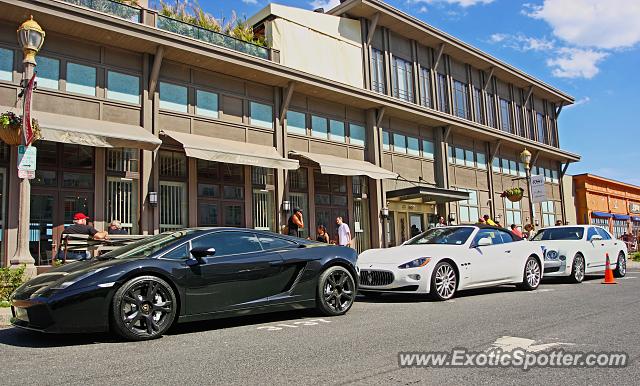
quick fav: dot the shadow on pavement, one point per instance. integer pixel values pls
(17, 337)
(424, 298)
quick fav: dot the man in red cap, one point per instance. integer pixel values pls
(80, 227)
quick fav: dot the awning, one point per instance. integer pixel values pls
(635, 218)
(93, 132)
(233, 152)
(601, 214)
(330, 164)
(621, 217)
(427, 194)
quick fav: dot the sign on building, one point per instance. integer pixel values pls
(538, 191)
(634, 207)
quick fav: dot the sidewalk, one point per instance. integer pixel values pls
(5, 316)
(633, 264)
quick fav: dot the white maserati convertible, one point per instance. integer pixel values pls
(575, 250)
(444, 260)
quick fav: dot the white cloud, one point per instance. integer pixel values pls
(599, 24)
(250, 1)
(576, 63)
(461, 3)
(581, 101)
(326, 4)
(521, 42)
(422, 9)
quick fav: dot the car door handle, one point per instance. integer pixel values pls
(507, 251)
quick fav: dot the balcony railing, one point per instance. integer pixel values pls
(112, 8)
(205, 35)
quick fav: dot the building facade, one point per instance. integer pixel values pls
(164, 125)
(612, 204)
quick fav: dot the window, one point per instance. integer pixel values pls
(459, 156)
(468, 209)
(521, 170)
(460, 98)
(513, 212)
(386, 140)
(530, 124)
(542, 128)
(228, 243)
(6, 64)
(123, 87)
(263, 210)
(495, 165)
(336, 131)
(399, 143)
(591, 232)
(505, 115)
(606, 236)
(443, 98)
(122, 187)
(178, 253)
(319, 127)
(496, 236)
(356, 134)
(173, 97)
(270, 242)
(81, 79)
(207, 104)
(296, 123)
(427, 149)
(377, 71)
(477, 105)
(466, 157)
(221, 194)
(425, 87)
(48, 72)
(513, 168)
(554, 177)
(299, 194)
(548, 213)
(481, 160)
(469, 158)
(413, 146)
(402, 79)
(261, 115)
(517, 120)
(491, 112)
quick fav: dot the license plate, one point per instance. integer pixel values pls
(21, 314)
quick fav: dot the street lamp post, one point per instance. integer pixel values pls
(525, 157)
(31, 38)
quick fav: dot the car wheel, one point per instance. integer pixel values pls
(532, 274)
(621, 267)
(143, 308)
(336, 291)
(577, 270)
(444, 281)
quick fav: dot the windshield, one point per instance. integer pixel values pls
(446, 236)
(572, 233)
(147, 246)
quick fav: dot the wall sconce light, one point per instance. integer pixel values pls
(537, 222)
(153, 198)
(286, 206)
(452, 218)
(384, 213)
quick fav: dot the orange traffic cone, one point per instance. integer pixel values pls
(608, 273)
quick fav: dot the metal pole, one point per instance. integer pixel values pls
(528, 172)
(22, 254)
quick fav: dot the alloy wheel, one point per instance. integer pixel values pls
(578, 264)
(445, 281)
(338, 291)
(621, 267)
(146, 307)
(532, 273)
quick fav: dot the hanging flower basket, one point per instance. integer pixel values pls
(11, 128)
(513, 194)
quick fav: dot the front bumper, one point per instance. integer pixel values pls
(411, 280)
(556, 268)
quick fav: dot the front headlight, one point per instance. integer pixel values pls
(421, 262)
(551, 255)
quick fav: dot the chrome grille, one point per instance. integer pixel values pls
(375, 278)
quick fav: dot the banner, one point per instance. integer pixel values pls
(538, 191)
(26, 120)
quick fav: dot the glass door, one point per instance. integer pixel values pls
(416, 224)
(41, 238)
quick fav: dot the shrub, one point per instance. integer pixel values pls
(10, 279)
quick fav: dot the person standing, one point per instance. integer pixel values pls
(322, 236)
(344, 233)
(441, 223)
(295, 223)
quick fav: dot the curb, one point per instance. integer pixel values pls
(5, 316)
(633, 264)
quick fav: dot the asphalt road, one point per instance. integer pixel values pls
(361, 347)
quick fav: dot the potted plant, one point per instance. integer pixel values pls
(513, 194)
(11, 128)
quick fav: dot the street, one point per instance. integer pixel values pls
(361, 347)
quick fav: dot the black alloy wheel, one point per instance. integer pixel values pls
(578, 269)
(336, 291)
(143, 308)
(621, 267)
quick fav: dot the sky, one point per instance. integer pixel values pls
(589, 49)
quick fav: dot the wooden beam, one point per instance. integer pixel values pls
(372, 27)
(486, 83)
(447, 132)
(438, 57)
(496, 150)
(287, 99)
(564, 170)
(534, 159)
(529, 93)
(155, 70)
(380, 112)
(559, 109)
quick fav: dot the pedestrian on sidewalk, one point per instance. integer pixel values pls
(295, 223)
(344, 233)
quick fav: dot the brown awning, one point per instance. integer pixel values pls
(234, 152)
(330, 164)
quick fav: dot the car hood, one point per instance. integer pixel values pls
(405, 253)
(71, 272)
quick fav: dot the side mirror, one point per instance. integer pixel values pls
(483, 242)
(201, 253)
(596, 238)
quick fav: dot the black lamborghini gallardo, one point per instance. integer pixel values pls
(141, 289)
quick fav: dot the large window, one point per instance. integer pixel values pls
(299, 195)
(402, 79)
(386, 140)
(542, 128)
(220, 194)
(48, 73)
(399, 143)
(261, 115)
(505, 115)
(123, 87)
(548, 213)
(81, 79)
(6, 64)
(207, 104)
(468, 209)
(442, 89)
(425, 87)
(467, 157)
(513, 212)
(263, 209)
(477, 105)
(296, 123)
(319, 127)
(173, 198)
(331, 201)
(122, 187)
(460, 98)
(428, 149)
(337, 131)
(377, 71)
(173, 97)
(360, 213)
(356, 134)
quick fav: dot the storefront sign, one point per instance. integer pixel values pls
(634, 207)
(27, 158)
(538, 191)
(28, 174)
